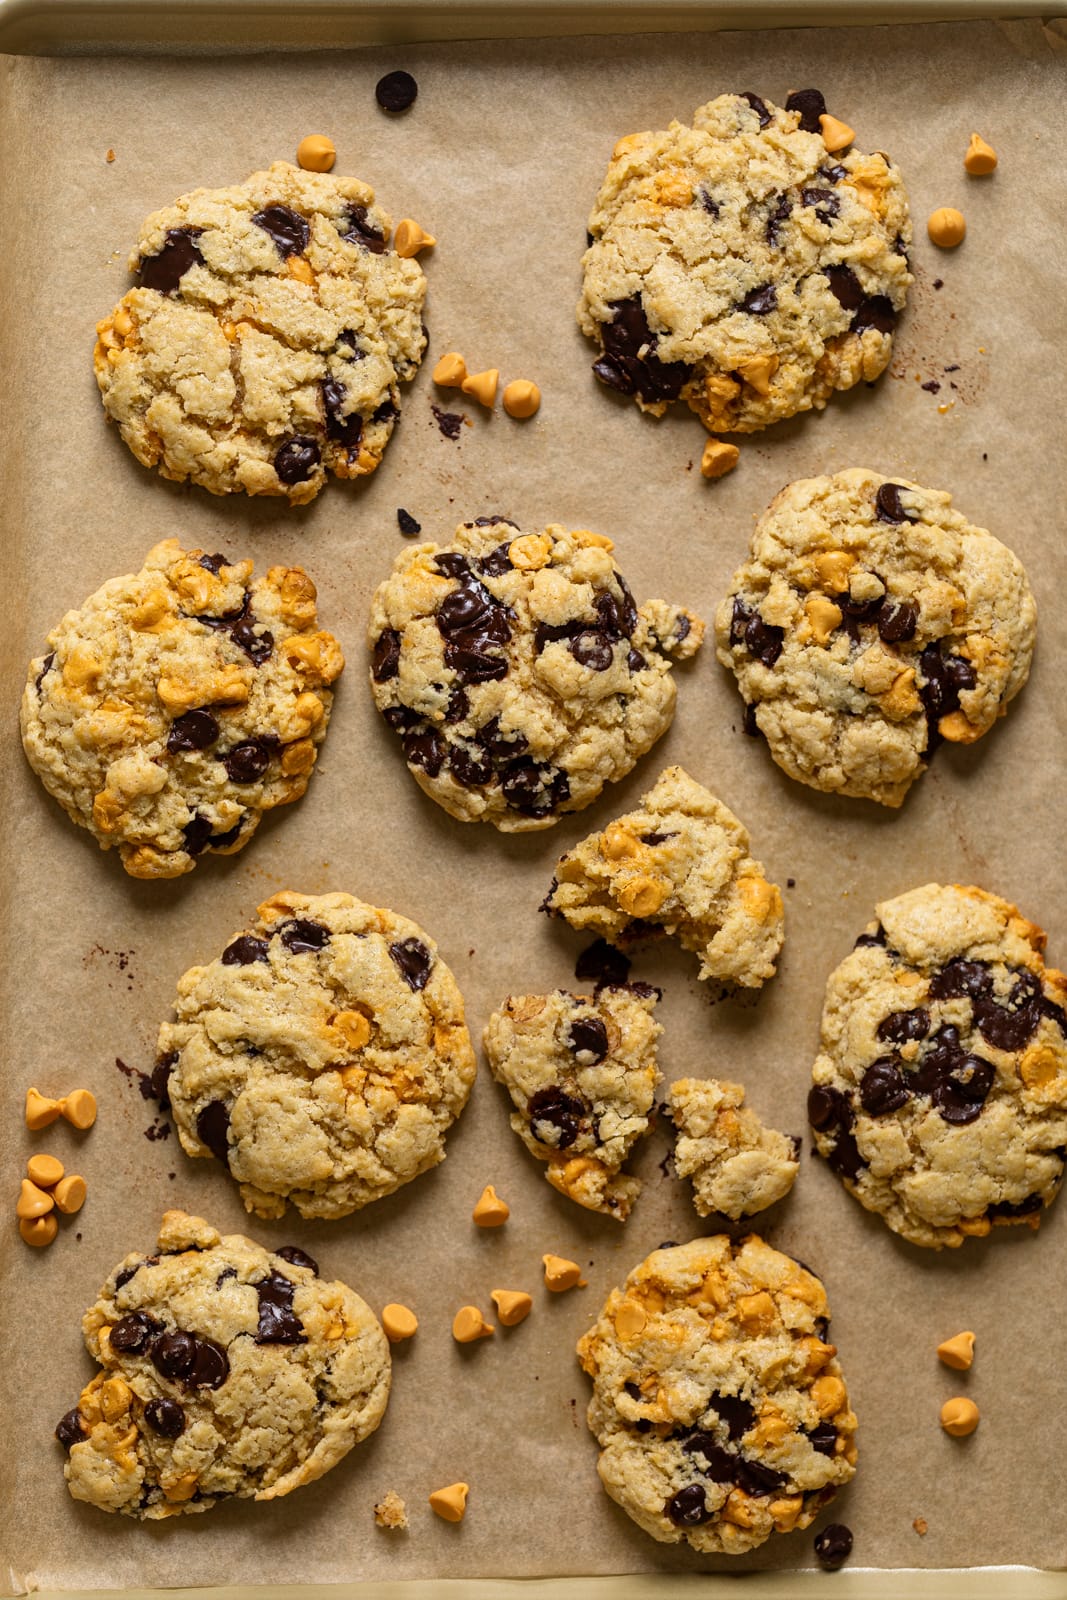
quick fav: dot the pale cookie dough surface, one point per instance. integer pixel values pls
(940, 1093)
(679, 865)
(226, 1369)
(738, 266)
(518, 671)
(871, 622)
(322, 1057)
(737, 1165)
(179, 703)
(719, 1406)
(267, 338)
(581, 1071)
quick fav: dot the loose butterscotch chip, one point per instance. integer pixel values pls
(399, 1322)
(959, 1417)
(561, 1274)
(69, 1194)
(946, 227)
(409, 239)
(981, 158)
(451, 371)
(316, 153)
(38, 1231)
(482, 386)
(521, 399)
(957, 1352)
(921, 1527)
(79, 1108)
(32, 1202)
(718, 458)
(40, 1110)
(44, 1171)
(513, 1306)
(468, 1325)
(450, 1503)
(836, 135)
(490, 1211)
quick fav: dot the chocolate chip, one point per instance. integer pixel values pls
(289, 231)
(133, 1331)
(46, 667)
(256, 646)
(69, 1429)
(215, 563)
(875, 311)
(823, 1438)
(345, 427)
(759, 107)
(826, 204)
(224, 1276)
(464, 608)
(555, 1117)
(407, 522)
(211, 1365)
(497, 562)
(749, 722)
(500, 745)
(194, 730)
(632, 1390)
(588, 1036)
(362, 231)
(755, 1478)
(831, 1111)
(425, 749)
(278, 1322)
(196, 834)
(900, 1026)
(173, 1354)
(222, 841)
(396, 91)
(468, 768)
(897, 621)
(592, 650)
(623, 367)
(887, 504)
(123, 1277)
(635, 661)
(159, 1081)
(303, 935)
(248, 761)
(385, 659)
(776, 218)
(297, 460)
(533, 790)
(811, 105)
(689, 1507)
(844, 286)
(761, 639)
(1006, 1029)
(166, 269)
(165, 1417)
(1016, 1208)
(834, 173)
(759, 301)
(458, 707)
(298, 1257)
(943, 678)
(712, 207)
(415, 962)
(606, 966)
(720, 1464)
(244, 950)
(449, 422)
(738, 1415)
(212, 1129)
(956, 1082)
(833, 1546)
(866, 940)
(961, 978)
(387, 410)
(883, 1088)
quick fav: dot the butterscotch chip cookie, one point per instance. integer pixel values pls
(940, 1092)
(226, 1369)
(518, 671)
(870, 622)
(720, 1408)
(321, 1058)
(180, 703)
(739, 266)
(267, 337)
(679, 865)
(582, 1074)
(737, 1165)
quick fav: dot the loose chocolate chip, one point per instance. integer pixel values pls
(194, 730)
(754, 1478)
(211, 1365)
(345, 427)
(887, 504)
(302, 935)
(385, 660)
(897, 621)
(761, 639)
(833, 1546)
(297, 460)
(289, 231)
(759, 301)
(472, 771)
(248, 761)
(159, 1081)
(361, 231)
(592, 650)
(961, 978)
(738, 1415)
(825, 203)
(712, 207)
(555, 1117)
(1016, 1208)
(900, 1026)
(278, 1322)
(606, 966)
(132, 1332)
(759, 107)
(875, 311)
(196, 834)
(212, 1128)
(173, 1354)
(407, 522)
(46, 667)
(844, 286)
(298, 1257)
(720, 1464)
(396, 91)
(165, 270)
(69, 1429)
(811, 105)
(823, 1438)
(165, 1417)
(426, 749)
(449, 422)
(244, 950)
(532, 790)
(883, 1088)
(777, 217)
(588, 1036)
(415, 962)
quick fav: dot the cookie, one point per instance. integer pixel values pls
(870, 622)
(582, 1074)
(226, 1369)
(321, 1058)
(940, 1091)
(518, 671)
(737, 1166)
(267, 337)
(678, 865)
(739, 266)
(180, 703)
(720, 1408)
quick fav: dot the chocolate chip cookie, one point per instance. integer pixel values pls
(940, 1092)
(737, 1165)
(267, 336)
(871, 622)
(741, 267)
(518, 671)
(322, 1057)
(582, 1074)
(678, 865)
(226, 1369)
(180, 703)
(720, 1408)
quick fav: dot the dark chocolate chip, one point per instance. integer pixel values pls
(738, 1414)
(689, 1507)
(532, 790)
(750, 723)
(244, 950)
(425, 749)
(212, 1128)
(396, 91)
(592, 650)
(956, 1082)
(559, 1115)
(386, 411)
(883, 1087)
(500, 745)
(720, 1464)
(825, 203)
(132, 1332)
(887, 504)
(823, 1438)
(761, 639)
(196, 835)
(866, 940)
(755, 1478)
(289, 231)
(897, 621)
(123, 1277)
(46, 667)
(256, 646)
(497, 562)
(296, 460)
(1016, 1208)
(834, 173)
(606, 966)
(248, 761)
(759, 107)
(194, 730)
(900, 1026)
(588, 1036)
(344, 427)
(211, 1365)
(833, 1546)
(278, 1322)
(159, 1081)
(468, 768)
(712, 207)
(830, 1111)
(777, 217)
(875, 311)
(943, 678)
(165, 1417)
(415, 962)
(458, 706)
(759, 301)
(385, 659)
(1006, 1029)
(635, 661)
(298, 1258)
(302, 935)
(69, 1429)
(215, 563)
(173, 1354)
(960, 979)
(844, 286)
(361, 231)
(407, 522)
(623, 367)
(166, 269)
(811, 105)
(224, 1276)
(222, 841)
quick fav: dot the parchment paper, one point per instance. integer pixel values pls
(500, 158)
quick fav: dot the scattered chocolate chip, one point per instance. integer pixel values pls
(415, 962)
(749, 722)
(212, 1129)
(759, 107)
(387, 410)
(883, 1087)
(761, 639)
(244, 950)
(396, 91)
(248, 761)
(900, 1026)
(811, 105)
(298, 1258)
(897, 621)
(123, 1277)
(214, 563)
(606, 966)
(931, 386)
(449, 422)
(823, 1438)
(759, 301)
(558, 1114)
(635, 661)
(165, 1417)
(278, 1322)
(344, 428)
(303, 935)
(69, 1429)
(133, 1331)
(588, 1036)
(194, 730)
(500, 745)
(689, 1507)
(888, 507)
(297, 460)
(407, 522)
(875, 311)
(224, 1276)
(632, 1390)
(833, 1546)
(845, 287)
(361, 231)
(166, 269)
(173, 1354)
(289, 231)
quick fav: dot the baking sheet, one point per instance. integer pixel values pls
(500, 159)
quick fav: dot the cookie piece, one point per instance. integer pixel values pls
(871, 622)
(720, 1409)
(940, 1092)
(582, 1074)
(737, 1166)
(227, 1369)
(678, 865)
(267, 338)
(322, 1057)
(519, 673)
(740, 267)
(180, 703)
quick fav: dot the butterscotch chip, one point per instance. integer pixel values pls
(836, 135)
(32, 1201)
(399, 1322)
(957, 1352)
(451, 371)
(39, 1231)
(391, 1512)
(409, 239)
(78, 1108)
(981, 158)
(468, 1325)
(521, 398)
(45, 1171)
(40, 1110)
(946, 227)
(561, 1274)
(718, 458)
(450, 1503)
(482, 386)
(513, 1306)
(69, 1194)
(316, 153)
(959, 1417)
(921, 1526)
(490, 1211)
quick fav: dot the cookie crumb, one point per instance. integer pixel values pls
(921, 1526)
(391, 1512)
(109, 158)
